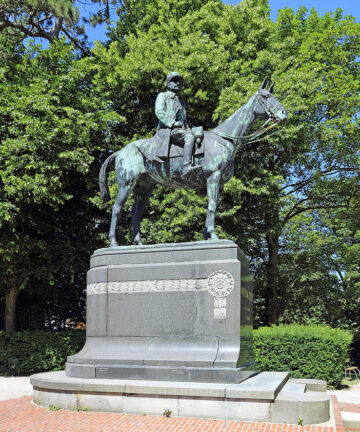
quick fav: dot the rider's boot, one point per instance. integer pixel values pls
(189, 171)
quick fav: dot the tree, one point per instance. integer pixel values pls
(313, 163)
(39, 19)
(224, 52)
(50, 19)
(319, 265)
(319, 167)
(310, 169)
(54, 125)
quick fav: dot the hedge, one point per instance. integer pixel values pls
(28, 352)
(305, 351)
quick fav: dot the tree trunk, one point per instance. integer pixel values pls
(10, 309)
(272, 297)
(53, 34)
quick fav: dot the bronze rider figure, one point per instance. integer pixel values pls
(170, 110)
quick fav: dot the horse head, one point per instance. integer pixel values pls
(267, 105)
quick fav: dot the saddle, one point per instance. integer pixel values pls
(198, 149)
(150, 147)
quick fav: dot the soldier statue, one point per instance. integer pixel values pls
(166, 158)
(173, 128)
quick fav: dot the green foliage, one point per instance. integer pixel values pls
(82, 409)
(53, 408)
(167, 412)
(293, 203)
(25, 353)
(224, 52)
(54, 126)
(320, 268)
(47, 122)
(304, 351)
(317, 352)
(20, 19)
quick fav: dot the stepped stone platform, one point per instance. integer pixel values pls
(267, 397)
(169, 327)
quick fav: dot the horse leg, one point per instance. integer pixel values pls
(213, 186)
(142, 194)
(116, 212)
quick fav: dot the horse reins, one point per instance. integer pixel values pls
(263, 129)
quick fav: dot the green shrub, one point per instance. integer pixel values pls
(28, 352)
(305, 351)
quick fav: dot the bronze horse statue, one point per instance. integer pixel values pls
(140, 175)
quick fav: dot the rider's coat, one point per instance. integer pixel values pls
(169, 108)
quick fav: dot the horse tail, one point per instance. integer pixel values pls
(103, 177)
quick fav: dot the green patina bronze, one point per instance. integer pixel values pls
(173, 130)
(166, 158)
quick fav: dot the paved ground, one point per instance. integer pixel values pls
(21, 415)
(14, 387)
(349, 407)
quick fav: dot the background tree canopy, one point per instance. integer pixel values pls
(293, 204)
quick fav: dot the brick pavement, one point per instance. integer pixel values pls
(21, 415)
(339, 424)
(349, 407)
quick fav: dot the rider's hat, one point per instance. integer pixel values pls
(173, 75)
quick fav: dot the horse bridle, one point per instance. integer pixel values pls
(271, 113)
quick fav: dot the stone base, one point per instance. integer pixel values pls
(268, 396)
(169, 312)
(161, 373)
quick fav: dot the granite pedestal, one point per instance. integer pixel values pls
(170, 327)
(174, 312)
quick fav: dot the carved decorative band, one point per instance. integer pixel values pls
(97, 288)
(168, 285)
(219, 284)
(148, 286)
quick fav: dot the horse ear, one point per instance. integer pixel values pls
(271, 89)
(264, 83)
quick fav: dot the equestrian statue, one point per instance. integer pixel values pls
(182, 157)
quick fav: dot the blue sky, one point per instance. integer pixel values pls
(350, 7)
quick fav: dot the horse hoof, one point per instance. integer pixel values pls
(114, 243)
(138, 240)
